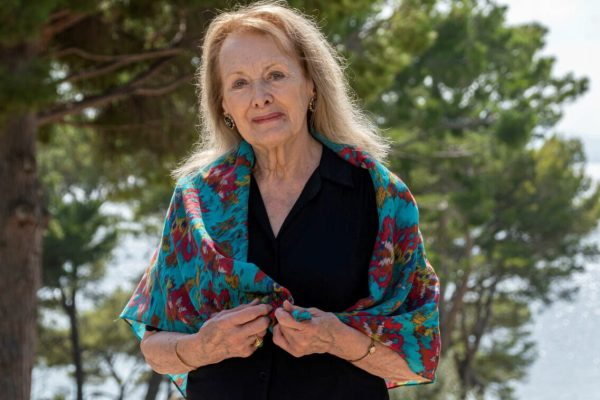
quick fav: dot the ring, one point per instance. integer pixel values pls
(258, 342)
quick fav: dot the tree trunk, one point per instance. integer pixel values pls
(71, 311)
(448, 317)
(22, 222)
(483, 315)
(153, 386)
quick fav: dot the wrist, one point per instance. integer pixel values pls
(184, 356)
(191, 351)
(370, 350)
(206, 347)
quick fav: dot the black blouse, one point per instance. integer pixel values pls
(321, 254)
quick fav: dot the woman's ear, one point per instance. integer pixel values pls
(223, 107)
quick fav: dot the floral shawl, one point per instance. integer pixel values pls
(200, 267)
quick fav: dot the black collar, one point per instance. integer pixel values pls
(334, 168)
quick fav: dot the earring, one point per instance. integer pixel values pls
(311, 103)
(229, 121)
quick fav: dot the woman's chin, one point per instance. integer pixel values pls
(269, 138)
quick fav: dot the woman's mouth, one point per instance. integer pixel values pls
(267, 118)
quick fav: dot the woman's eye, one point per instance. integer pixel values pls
(276, 75)
(239, 83)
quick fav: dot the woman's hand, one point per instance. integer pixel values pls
(307, 337)
(233, 332)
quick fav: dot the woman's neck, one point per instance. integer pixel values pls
(293, 159)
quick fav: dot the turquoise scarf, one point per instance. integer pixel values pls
(200, 267)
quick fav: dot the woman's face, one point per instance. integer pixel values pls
(264, 89)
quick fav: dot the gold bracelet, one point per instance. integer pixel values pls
(370, 350)
(179, 357)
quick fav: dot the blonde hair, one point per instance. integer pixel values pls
(337, 115)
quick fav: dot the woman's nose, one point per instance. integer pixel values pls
(262, 95)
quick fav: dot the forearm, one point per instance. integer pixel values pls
(351, 344)
(158, 349)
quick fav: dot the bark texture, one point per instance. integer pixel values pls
(22, 222)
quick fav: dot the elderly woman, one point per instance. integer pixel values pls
(291, 264)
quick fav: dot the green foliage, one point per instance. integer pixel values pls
(106, 333)
(78, 243)
(386, 46)
(30, 75)
(107, 340)
(477, 72)
(446, 386)
(80, 237)
(23, 20)
(54, 348)
(505, 210)
(67, 162)
(104, 342)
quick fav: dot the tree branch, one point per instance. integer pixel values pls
(442, 155)
(63, 299)
(161, 90)
(58, 15)
(466, 123)
(113, 94)
(149, 73)
(457, 302)
(117, 61)
(116, 127)
(113, 372)
(60, 21)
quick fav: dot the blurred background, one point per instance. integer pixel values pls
(494, 110)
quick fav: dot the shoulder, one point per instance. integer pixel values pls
(216, 168)
(394, 197)
(387, 181)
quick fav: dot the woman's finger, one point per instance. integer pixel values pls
(285, 319)
(255, 327)
(252, 341)
(240, 317)
(279, 339)
(240, 307)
